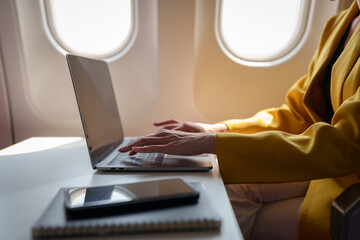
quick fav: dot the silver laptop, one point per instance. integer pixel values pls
(102, 126)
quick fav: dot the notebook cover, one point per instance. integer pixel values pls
(199, 216)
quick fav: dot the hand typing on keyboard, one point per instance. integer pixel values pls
(173, 142)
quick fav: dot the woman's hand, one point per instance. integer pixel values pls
(173, 142)
(191, 127)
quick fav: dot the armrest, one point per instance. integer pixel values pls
(345, 214)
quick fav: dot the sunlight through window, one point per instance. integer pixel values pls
(98, 28)
(261, 30)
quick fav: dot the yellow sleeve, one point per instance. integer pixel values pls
(322, 150)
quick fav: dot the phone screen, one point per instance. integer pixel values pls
(91, 197)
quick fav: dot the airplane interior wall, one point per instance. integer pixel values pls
(173, 68)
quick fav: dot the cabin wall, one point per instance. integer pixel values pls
(174, 68)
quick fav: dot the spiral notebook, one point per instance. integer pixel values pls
(201, 216)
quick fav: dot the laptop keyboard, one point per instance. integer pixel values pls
(137, 159)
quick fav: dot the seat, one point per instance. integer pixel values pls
(344, 217)
(345, 214)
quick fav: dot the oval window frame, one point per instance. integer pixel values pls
(275, 59)
(62, 47)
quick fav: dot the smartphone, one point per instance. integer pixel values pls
(124, 198)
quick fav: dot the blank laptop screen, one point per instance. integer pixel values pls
(97, 105)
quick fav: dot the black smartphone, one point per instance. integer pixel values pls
(124, 198)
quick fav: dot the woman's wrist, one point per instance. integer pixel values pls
(209, 142)
(219, 127)
(213, 128)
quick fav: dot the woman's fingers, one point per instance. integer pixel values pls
(160, 137)
(180, 126)
(152, 148)
(170, 126)
(166, 122)
(169, 148)
(173, 142)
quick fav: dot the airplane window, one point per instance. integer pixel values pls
(260, 30)
(96, 28)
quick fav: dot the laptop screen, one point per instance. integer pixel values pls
(97, 105)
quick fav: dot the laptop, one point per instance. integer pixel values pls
(103, 129)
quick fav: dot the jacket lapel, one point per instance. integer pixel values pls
(343, 85)
(325, 56)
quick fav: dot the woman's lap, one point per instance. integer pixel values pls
(249, 199)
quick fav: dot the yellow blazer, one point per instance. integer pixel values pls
(293, 143)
